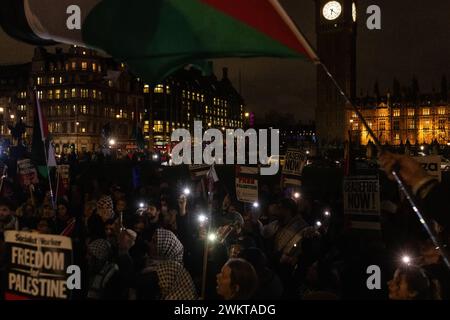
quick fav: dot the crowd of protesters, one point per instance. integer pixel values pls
(151, 242)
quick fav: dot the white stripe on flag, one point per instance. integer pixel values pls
(51, 161)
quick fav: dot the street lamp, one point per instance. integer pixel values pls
(112, 142)
(247, 114)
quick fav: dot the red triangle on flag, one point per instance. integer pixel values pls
(268, 17)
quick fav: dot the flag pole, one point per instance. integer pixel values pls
(5, 168)
(206, 244)
(48, 174)
(57, 185)
(312, 54)
(395, 173)
(38, 109)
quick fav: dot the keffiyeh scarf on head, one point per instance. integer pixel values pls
(175, 283)
(168, 247)
(102, 270)
(107, 203)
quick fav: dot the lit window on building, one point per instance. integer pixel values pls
(110, 83)
(441, 124)
(40, 94)
(57, 94)
(397, 136)
(67, 67)
(426, 111)
(159, 89)
(396, 112)
(74, 93)
(66, 93)
(94, 94)
(146, 88)
(84, 93)
(50, 94)
(411, 124)
(167, 89)
(52, 80)
(60, 80)
(426, 125)
(411, 112)
(441, 111)
(74, 65)
(84, 65)
(94, 67)
(83, 130)
(39, 80)
(158, 127)
(99, 68)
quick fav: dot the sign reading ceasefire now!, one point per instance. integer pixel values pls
(362, 201)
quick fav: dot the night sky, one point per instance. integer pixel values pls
(414, 40)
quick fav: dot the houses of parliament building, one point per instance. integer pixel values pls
(395, 120)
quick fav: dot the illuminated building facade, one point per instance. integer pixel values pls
(397, 122)
(188, 96)
(80, 93)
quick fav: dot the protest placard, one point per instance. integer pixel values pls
(362, 201)
(37, 265)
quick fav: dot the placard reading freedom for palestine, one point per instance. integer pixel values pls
(37, 265)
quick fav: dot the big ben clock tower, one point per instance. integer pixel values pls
(336, 47)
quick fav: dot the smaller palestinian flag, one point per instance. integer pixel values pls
(41, 141)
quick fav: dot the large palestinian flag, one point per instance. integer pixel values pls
(156, 37)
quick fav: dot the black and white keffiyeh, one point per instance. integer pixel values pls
(175, 283)
(168, 247)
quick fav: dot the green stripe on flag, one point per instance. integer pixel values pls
(157, 37)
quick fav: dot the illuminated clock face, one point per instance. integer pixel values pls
(332, 10)
(354, 12)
